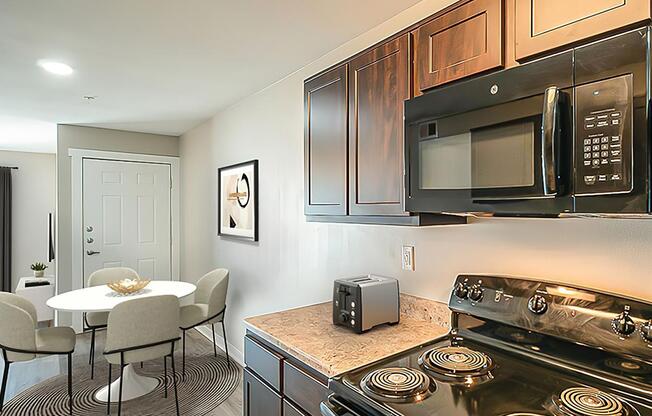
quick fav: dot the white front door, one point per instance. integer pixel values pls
(127, 217)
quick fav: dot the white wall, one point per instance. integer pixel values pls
(33, 198)
(295, 262)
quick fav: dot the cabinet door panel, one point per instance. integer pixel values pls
(259, 400)
(379, 84)
(465, 41)
(290, 410)
(303, 389)
(541, 27)
(325, 99)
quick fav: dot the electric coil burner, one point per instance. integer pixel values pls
(518, 347)
(456, 362)
(396, 384)
(583, 401)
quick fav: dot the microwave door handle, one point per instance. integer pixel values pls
(549, 128)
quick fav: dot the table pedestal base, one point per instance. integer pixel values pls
(134, 385)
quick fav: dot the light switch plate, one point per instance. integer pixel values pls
(407, 258)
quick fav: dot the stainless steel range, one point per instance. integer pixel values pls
(517, 347)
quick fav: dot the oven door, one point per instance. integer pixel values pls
(507, 154)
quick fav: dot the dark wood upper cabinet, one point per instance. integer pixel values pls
(378, 86)
(543, 25)
(464, 41)
(326, 141)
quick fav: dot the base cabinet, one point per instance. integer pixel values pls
(290, 409)
(259, 399)
(299, 394)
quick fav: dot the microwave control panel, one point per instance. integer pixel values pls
(603, 139)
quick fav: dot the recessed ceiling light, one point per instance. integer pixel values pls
(58, 68)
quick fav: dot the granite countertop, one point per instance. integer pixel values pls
(308, 334)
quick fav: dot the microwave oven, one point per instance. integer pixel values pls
(564, 134)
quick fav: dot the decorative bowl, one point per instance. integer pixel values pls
(128, 286)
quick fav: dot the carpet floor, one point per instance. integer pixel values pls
(209, 381)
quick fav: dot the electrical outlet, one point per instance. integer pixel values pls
(407, 258)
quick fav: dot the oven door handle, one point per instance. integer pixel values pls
(331, 407)
(550, 126)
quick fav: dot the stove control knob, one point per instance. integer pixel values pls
(623, 324)
(461, 290)
(537, 304)
(646, 331)
(476, 293)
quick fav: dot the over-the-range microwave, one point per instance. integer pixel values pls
(565, 134)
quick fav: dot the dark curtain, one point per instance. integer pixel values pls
(5, 229)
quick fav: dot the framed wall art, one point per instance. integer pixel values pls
(237, 207)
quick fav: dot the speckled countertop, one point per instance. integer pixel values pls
(308, 334)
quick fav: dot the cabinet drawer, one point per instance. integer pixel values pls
(462, 42)
(303, 389)
(290, 410)
(258, 398)
(265, 363)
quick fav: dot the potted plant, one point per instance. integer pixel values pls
(39, 269)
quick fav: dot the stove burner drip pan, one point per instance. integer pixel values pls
(457, 363)
(398, 385)
(585, 401)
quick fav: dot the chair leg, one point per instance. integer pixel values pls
(226, 344)
(183, 364)
(165, 368)
(70, 381)
(214, 344)
(174, 375)
(92, 355)
(108, 403)
(90, 352)
(5, 376)
(122, 367)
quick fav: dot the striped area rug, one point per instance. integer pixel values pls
(209, 381)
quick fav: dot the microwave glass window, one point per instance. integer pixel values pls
(445, 162)
(503, 156)
(492, 157)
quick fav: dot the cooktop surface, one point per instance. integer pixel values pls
(461, 377)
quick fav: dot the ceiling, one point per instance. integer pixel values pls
(158, 66)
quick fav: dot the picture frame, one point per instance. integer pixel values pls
(237, 201)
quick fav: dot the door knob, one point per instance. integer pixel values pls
(92, 252)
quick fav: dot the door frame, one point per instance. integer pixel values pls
(77, 232)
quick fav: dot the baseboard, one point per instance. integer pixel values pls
(234, 353)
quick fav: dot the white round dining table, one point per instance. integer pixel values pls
(104, 299)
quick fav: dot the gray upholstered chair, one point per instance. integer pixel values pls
(209, 308)
(98, 320)
(21, 341)
(140, 330)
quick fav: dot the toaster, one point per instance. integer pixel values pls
(360, 303)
